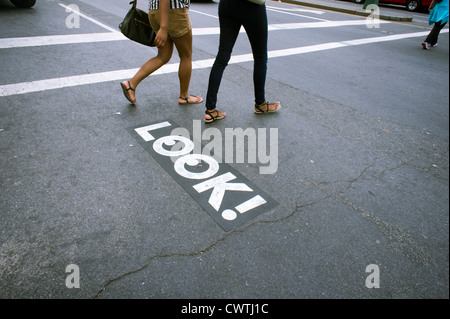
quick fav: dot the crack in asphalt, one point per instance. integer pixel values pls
(398, 239)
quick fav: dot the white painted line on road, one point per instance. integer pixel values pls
(296, 14)
(325, 24)
(69, 9)
(297, 10)
(8, 43)
(289, 26)
(57, 83)
(20, 42)
(335, 45)
(268, 8)
(203, 13)
(274, 9)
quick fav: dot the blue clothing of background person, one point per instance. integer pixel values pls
(439, 17)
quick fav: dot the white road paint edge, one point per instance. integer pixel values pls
(70, 81)
(20, 42)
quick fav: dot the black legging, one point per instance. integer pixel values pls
(432, 38)
(232, 15)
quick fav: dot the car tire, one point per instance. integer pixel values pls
(412, 5)
(23, 3)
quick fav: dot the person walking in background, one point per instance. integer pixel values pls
(439, 17)
(170, 20)
(253, 17)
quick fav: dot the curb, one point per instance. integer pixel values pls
(349, 11)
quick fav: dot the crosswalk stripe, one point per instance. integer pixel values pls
(20, 42)
(296, 14)
(57, 83)
(9, 43)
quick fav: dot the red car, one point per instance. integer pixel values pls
(411, 5)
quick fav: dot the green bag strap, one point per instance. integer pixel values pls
(134, 3)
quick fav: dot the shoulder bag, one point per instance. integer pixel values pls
(136, 26)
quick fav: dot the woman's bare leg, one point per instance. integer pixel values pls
(184, 48)
(164, 56)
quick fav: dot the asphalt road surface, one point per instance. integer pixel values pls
(355, 204)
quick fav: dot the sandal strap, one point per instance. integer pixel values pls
(262, 104)
(187, 98)
(207, 112)
(129, 87)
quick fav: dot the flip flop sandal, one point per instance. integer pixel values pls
(214, 118)
(125, 91)
(260, 111)
(186, 99)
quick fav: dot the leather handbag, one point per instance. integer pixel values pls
(136, 26)
(260, 2)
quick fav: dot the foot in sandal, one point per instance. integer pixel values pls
(213, 115)
(190, 99)
(267, 107)
(128, 91)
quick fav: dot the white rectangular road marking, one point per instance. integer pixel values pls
(290, 26)
(275, 9)
(297, 10)
(203, 13)
(42, 85)
(312, 25)
(296, 14)
(8, 43)
(20, 42)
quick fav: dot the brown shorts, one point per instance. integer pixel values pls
(179, 22)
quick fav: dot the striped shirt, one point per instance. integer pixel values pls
(174, 4)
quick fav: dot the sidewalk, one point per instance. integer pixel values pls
(351, 7)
